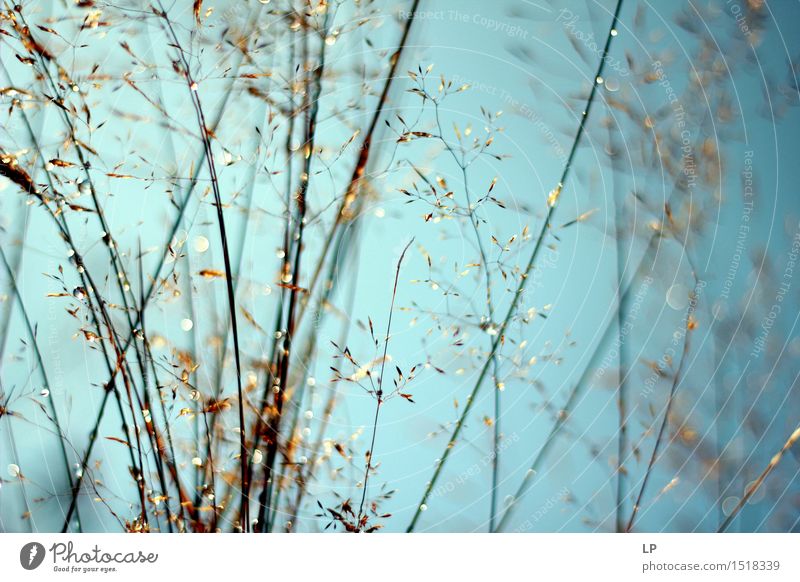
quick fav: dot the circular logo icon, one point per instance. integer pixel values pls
(31, 555)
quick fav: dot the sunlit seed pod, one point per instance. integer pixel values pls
(201, 244)
(197, 462)
(187, 324)
(423, 507)
(45, 393)
(309, 414)
(13, 470)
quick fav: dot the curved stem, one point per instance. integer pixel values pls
(552, 204)
(379, 394)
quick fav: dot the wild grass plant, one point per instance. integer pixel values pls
(205, 329)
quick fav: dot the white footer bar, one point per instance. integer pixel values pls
(328, 557)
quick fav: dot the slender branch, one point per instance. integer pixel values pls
(755, 485)
(209, 155)
(45, 381)
(379, 393)
(286, 351)
(665, 420)
(552, 205)
(344, 212)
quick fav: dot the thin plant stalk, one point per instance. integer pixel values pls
(353, 188)
(286, 352)
(755, 485)
(209, 155)
(552, 205)
(379, 392)
(664, 421)
(62, 437)
(622, 405)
